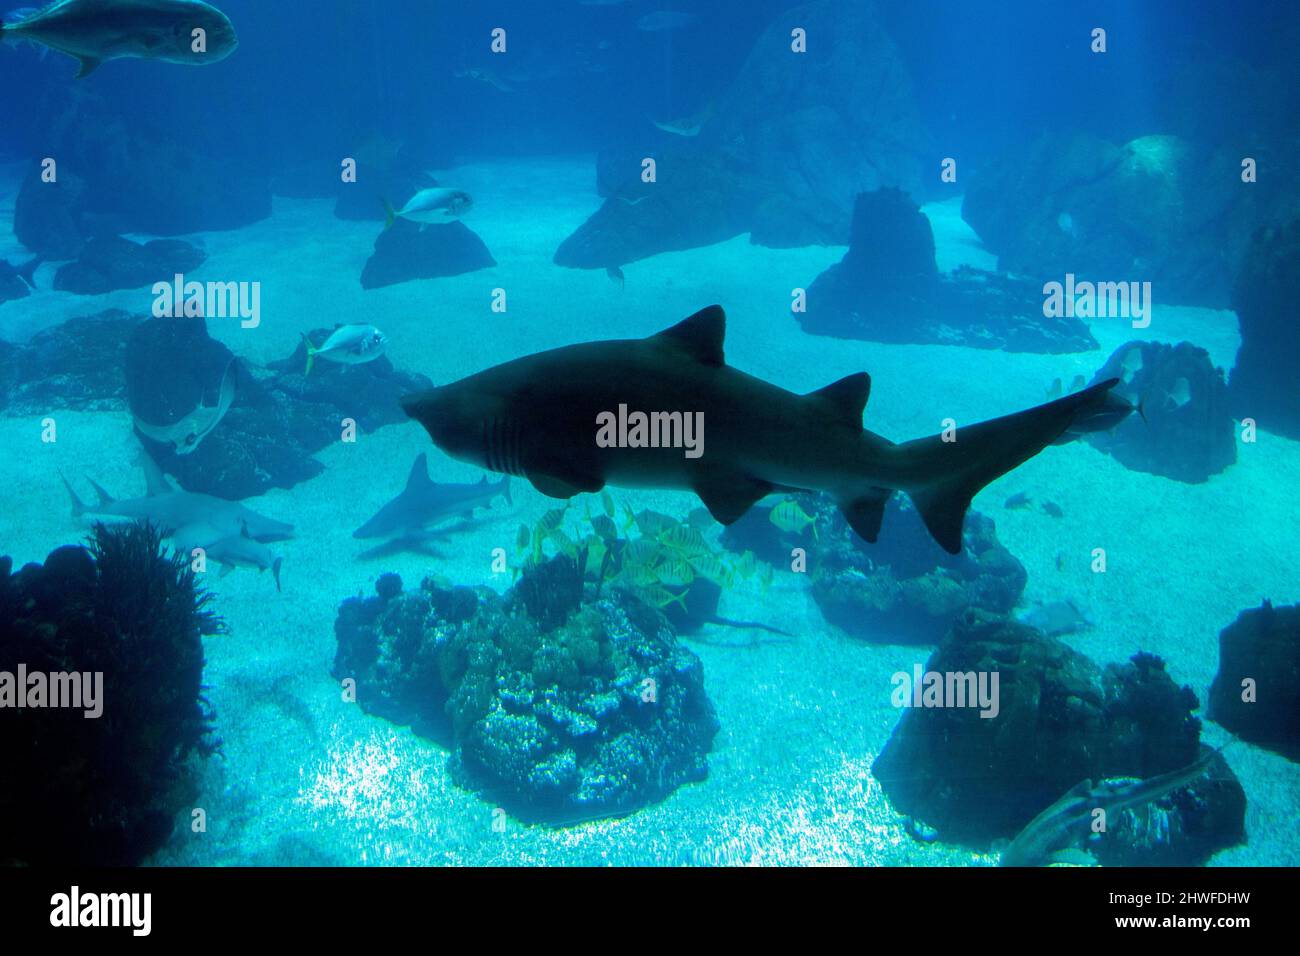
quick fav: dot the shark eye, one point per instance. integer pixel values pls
(190, 439)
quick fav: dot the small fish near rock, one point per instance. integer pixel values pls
(435, 204)
(188, 32)
(347, 345)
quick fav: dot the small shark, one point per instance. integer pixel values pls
(424, 502)
(230, 550)
(171, 510)
(540, 417)
(1066, 822)
(93, 31)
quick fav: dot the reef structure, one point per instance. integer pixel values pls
(558, 709)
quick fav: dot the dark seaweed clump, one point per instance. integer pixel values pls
(556, 707)
(103, 791)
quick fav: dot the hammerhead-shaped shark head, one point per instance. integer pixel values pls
(424, 502)
(540, 417)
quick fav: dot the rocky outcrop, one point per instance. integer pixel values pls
(1158, 209)
(1256, 691)
(409, 251)
(1060, 719)
(887, 288)
(790, 143)
(558, 709)
(1263, 382)
(112, 262)
(1185, 431)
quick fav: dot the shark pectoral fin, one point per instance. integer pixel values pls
(226, 569)
(728, 496)
(88, 66)
(553, 486)
(865, 514)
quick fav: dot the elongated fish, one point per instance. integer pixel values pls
(230, 551)
(1062, 824)
(189, 32)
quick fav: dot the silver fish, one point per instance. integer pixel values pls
(433, 205)
(93, 31)
(347, 345)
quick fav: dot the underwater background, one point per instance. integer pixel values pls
(894, 198)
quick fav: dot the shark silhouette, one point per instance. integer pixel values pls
(424, 502)
(172, 510)
(537, 417)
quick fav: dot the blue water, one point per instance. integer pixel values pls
(552, 132)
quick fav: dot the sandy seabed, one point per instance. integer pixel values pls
(308, 779)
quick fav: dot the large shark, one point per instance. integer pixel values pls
(93, 31)
(424, 502)
(541, 416)
(171, 510)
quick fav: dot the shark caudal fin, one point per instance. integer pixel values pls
(311, 353)
(978, 454)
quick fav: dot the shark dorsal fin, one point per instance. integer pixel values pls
(700, 336)
(156, 482)
(846, 399)
(419, 476)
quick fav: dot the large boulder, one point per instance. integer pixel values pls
(1185, 431)
(887, 288)
(1256, 691)
(409, 251)
(48, 216)
(1059, 719)
(1263, 382)
(112, 262)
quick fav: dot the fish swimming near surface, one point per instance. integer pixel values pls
(540, 416)
(94, 31)
(432, 205)
(347, 345)
(679, 127)
(230, 551)
(1067, 822)
(172, 510)
(186, 432)
(424, 502)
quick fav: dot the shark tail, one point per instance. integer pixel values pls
(941, 474)
(275, 572)
(390, 214)
(311, 353)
